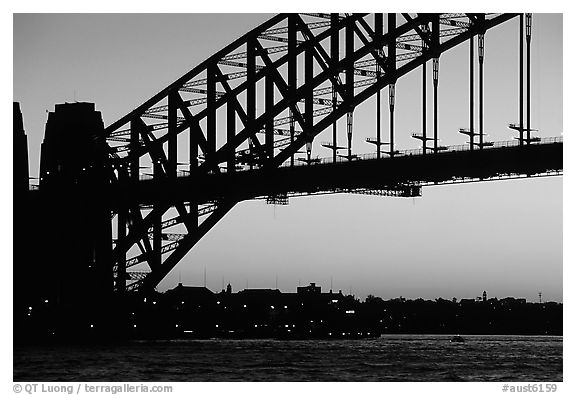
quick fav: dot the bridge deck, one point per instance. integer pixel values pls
(455, 164)
(365, 172)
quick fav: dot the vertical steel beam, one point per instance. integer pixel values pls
(521, 79)
(472, 93)
(308, 101)
(172, 134)
(392, 73)
(211, 109)
(251, 91)
(335, 57)
(435, 73)
(481, 88)
(349, 39)
(424, 99)
(230, 134)
(378, 29)
(135, 127)
(121, 235)
(528, 38)
(193, 150)
(269, 103)
(391, 100)
(292, 30)
(156, 253)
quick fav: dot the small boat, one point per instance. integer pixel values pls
(457, 339)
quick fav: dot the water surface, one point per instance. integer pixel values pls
(389, 358)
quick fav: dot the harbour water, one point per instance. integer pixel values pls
(388, 358)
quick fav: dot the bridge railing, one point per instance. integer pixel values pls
(410, 152)
(420, 151)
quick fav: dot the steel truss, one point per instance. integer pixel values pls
(302, 70)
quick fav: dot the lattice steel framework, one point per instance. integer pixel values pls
(254, 104)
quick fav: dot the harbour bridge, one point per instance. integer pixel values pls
(242, 125)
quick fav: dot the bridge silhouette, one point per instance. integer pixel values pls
(233, 128)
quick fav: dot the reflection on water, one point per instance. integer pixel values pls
(389, 358)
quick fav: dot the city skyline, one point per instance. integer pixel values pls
(504, 237)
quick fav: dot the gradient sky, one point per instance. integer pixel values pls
(504, 237)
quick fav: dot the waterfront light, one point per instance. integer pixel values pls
(272, 307)
(29, 307)
(216, 325)
(134, 325)
(245, 306)
(46, 301)
(91, 325)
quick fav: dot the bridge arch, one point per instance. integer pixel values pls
(346, 60)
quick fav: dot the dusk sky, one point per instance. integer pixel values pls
(504, 237)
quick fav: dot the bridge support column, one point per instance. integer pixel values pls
(391, 98)
(424, 98)
(472, 93)
(481, 89)
(392, 73)
(528, 37)
(211, 108)
(521, 82)
(309, 103)
(435, 70)
(292, 83)
(230, 134)
(335, 56)
(349, 37)
(122, 221)
(378, 22)
(268, 104)
(155, 259)
(251, 92)
(75, 277)
(172, 135)
(435, 39)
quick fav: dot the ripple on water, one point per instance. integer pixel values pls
(389, 358)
